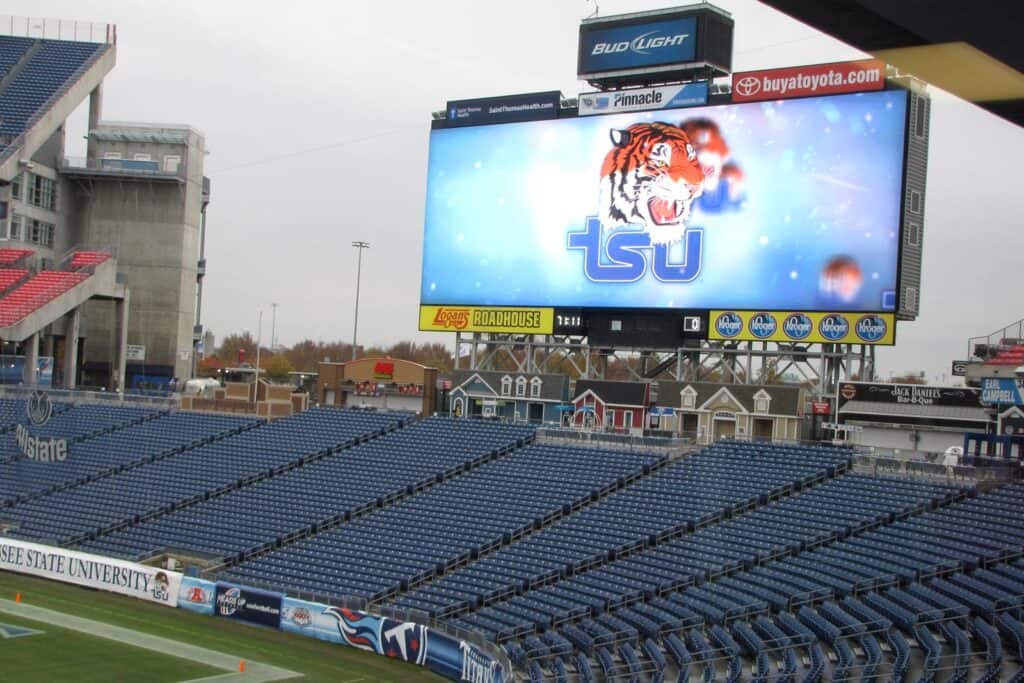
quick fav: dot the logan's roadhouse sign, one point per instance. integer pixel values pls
(501, 319)
(821, 328)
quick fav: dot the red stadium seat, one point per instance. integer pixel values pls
(37, 291)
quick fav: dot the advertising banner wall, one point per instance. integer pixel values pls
(486, 110)
(197, 595)
(814, 79)
(414, 643)
(651, 43)
(794, 326)
(642, 99)
(786, 206)
(915, 394)
(117, 576)
(248, 605)
(1001, 391)
(487, 319)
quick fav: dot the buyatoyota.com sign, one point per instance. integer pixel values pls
(104, 573)
(410, 642)
(788, 206)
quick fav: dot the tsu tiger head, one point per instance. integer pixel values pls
(650, 177)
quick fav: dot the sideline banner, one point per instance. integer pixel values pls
(410, 642)
(248, 604)
(196, 595)
(117, 576)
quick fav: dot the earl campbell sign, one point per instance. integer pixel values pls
(38, 409)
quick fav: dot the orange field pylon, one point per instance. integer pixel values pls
(17, 597)
(241, 666)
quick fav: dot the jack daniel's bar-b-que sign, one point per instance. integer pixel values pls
(913, 394)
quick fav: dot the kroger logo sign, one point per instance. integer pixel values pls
(763, 325)
(728, 324)
(871, 328)
(797, 326)
(834, 327)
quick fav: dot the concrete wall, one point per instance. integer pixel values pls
(153, 227)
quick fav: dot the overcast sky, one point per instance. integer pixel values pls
(317, 114)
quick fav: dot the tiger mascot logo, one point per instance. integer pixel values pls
(650, 177)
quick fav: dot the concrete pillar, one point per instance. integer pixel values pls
(120, 360)
(31, 359)
(71, 348)
(95, 114)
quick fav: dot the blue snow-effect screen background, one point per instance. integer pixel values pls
(823, 178)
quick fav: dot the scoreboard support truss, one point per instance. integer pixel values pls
(821, 366)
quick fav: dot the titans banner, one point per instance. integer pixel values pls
(787, 205)
(410, 642)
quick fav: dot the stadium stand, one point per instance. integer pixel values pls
(107, 440)
(440, 529)
(9, 277)
(301, 501)
(841, 628)
(12, 257)
(87, 259)
(192, 475)
(719, 483)
(38, 71)
(38, 290)
(743, 561)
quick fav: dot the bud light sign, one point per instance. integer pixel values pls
(651, 43)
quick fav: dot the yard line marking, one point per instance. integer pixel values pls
(256, 672)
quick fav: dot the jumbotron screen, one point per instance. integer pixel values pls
(788, 205)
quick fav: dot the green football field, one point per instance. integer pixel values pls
(60, 654)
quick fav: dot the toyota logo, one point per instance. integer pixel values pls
(747, 86)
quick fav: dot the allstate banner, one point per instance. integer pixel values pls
(197, 595)
(93, 571)
(794, 326)
(641, 99)
(248, 605)
(410, 642)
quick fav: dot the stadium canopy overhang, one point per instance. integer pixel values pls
(971, 49)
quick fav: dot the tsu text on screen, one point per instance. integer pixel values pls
(787, 205)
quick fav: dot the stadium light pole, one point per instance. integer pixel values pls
(359, 245)
(273, 326)
(259, 335)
